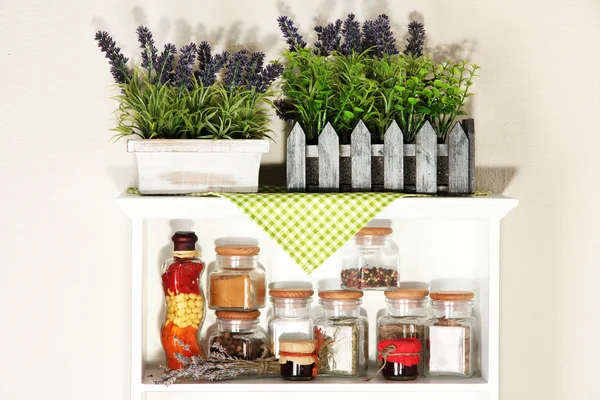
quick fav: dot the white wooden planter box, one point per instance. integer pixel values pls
(179, 166)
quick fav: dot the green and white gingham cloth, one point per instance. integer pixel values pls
(310, 227)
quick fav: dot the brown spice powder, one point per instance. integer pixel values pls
(235, 291)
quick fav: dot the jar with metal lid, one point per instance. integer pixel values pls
(291, 317)
(184, 300)
(238, 335)
(405, 318)
(345, 349)
(451, 335)
(370, 263)
(238, 283)
(297, 360)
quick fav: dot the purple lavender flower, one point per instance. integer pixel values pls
(149, 58)
(164, 64)
(253, 70)
(116, 60)
(328, 38)
(378, 36)
(416, 39)
(235, 69)
(208, 75)
(268, 76)
(284, 109)
(351, 35)
(204, 55)
(183, 71)
(290, 33)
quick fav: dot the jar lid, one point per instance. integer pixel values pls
(297, 346)
(406, 293)
(340, 294)
(450, 295)
(375, 231)
(291, 293)
(237, 250)
(184, 240)
(221, 314)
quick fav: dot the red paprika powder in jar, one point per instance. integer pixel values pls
(184, 300)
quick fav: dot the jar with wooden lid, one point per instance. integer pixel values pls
(238, 283)
(450, 335)
(291, 316)
(184, 300)
(238, 335)
(370, 263)
(405, 319)
(345, 349)
(297, 360)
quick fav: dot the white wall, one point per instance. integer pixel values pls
(64, 245)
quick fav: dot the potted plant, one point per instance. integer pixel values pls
(199, 130)
(355, 77)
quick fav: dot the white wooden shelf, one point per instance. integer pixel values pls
(440, 240)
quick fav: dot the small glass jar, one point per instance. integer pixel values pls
(400, 357)
(291, 317)
(297, 360)
(405, 318)
(238, 335)
(451, 336)
(345, 350)
(184, 300)
(370, 264)
(238, 283)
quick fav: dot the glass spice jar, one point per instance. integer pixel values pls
(184, 300)
(345, 349)
(238, 335)
(400, 357)
(238, 283)
(405, 318)
(297, 360)
(291, 318)
(450, 335)
(370, 264)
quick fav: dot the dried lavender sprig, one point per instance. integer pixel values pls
(117, 61)
(185, 66)
(164, 64)
(235, 69)
(149, 57)
(284, 109)
(290, 33)
(208, 76)
(351, 35)
(385, 42)
(268, 75)
(253, 70)
(416, 39)
(328, 38)
(204, 55)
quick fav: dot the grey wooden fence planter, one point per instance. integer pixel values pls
(422, 167)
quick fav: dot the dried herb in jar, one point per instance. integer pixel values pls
(341, 352)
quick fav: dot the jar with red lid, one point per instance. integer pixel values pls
(184, 300)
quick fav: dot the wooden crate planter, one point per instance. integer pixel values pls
(422, 167)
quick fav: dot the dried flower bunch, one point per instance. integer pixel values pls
(181, 96)
(355, 72)
(220, 366)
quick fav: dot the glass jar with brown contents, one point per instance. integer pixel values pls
(298, 360)
(405, 318)
(238, 283)
(450, 336)
(238, 335)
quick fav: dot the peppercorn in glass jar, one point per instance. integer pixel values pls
(405, 318)
(238, 283)
(238, 335)
(297, 360)
(370, 264)
(451, 335)
(345, 350)
(291, 318)
(184, 300)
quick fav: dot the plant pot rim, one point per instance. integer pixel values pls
(198, 145)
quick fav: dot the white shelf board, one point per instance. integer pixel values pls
(320, 384)
(190, 207)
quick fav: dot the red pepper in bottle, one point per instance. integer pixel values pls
(184, 300)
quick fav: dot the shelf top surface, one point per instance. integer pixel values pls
(187, 207)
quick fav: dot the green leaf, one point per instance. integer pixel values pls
(348, 115)
(399, 88)
(399, 108)
(413, 101)
(358, 110)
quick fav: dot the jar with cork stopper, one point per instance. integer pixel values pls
(238, 283)
(450, 335)
(291, 316)
(370, 263)
(238, 335)
(184, 300)
(405, 319)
